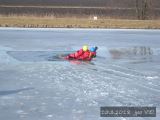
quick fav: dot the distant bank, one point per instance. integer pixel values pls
(82, 11)
(112, 15)
(75, 22)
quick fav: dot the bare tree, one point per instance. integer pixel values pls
(143, 9)
(137, 9)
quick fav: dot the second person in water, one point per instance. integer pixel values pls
(83, 54)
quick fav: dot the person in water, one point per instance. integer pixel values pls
(83, 54)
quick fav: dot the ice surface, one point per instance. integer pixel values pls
(35, 87)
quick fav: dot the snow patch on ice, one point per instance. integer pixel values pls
(49, 116)
(4, 57)
(152, 77)
(21, 112)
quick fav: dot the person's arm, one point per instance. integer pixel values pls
(88, 59)
(78, 53)
(93, 55)
(85, 57)
(74, 55)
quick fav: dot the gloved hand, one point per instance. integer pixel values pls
(94, 56)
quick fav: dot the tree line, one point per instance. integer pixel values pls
(132, 9)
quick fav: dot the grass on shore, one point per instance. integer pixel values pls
(51, 22)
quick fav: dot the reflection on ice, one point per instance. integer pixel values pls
(138, 51)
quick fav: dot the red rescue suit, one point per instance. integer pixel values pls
(82, 55)
(76, 54)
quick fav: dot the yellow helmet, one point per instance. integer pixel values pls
(85, 48)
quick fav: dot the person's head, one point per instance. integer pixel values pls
(85, 48)
(93, 49)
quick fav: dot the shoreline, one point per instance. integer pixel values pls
(81, 29)
(73, 22)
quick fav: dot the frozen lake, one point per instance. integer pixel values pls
(34, 85)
